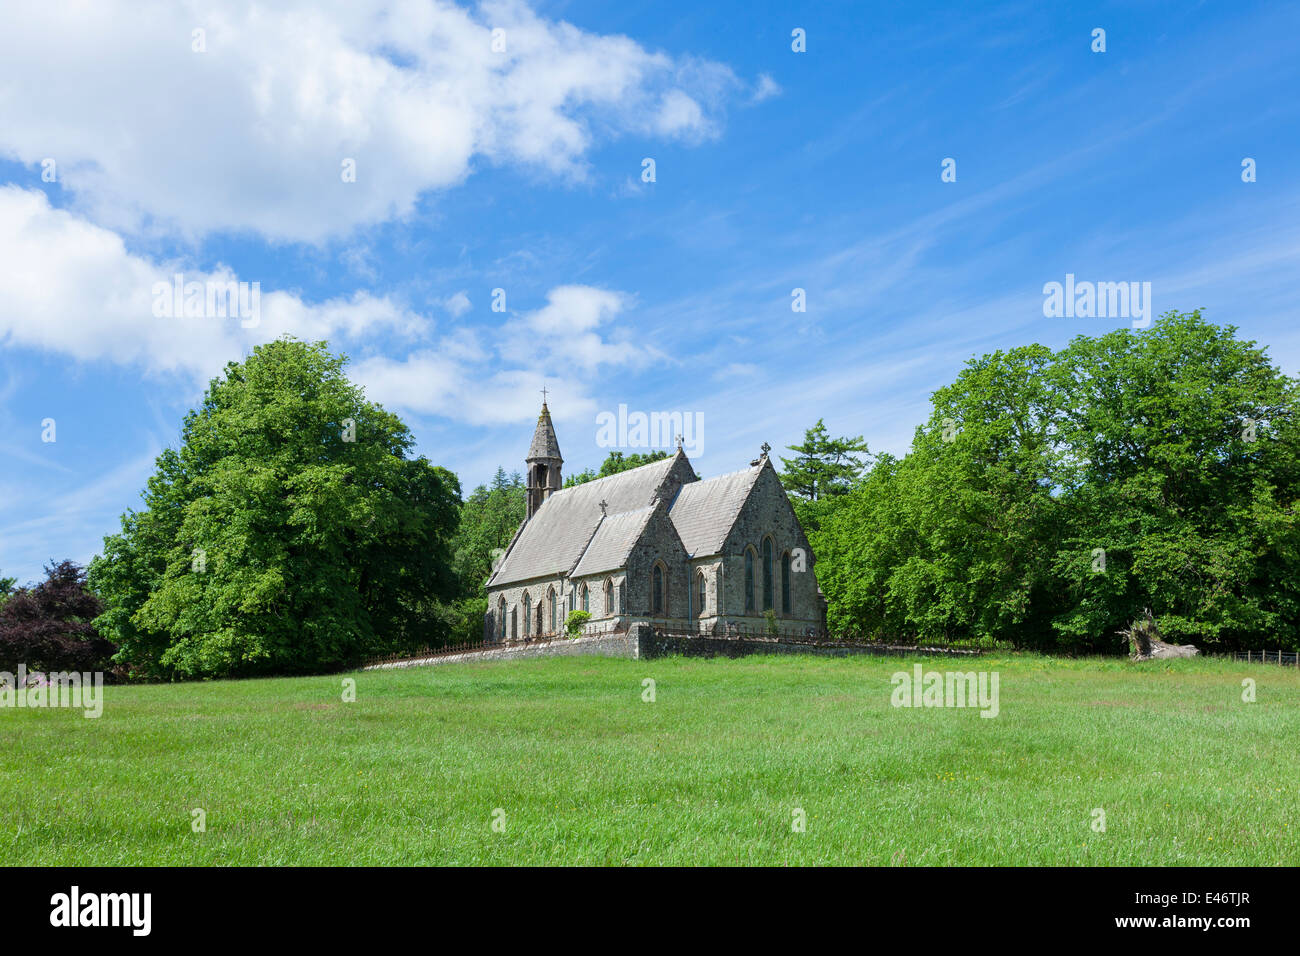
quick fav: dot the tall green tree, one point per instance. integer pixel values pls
(823, 470)
(489, 518)
(1182, 472)
(290, 532)
(822, 465)
(950, 541)
(1054, 495)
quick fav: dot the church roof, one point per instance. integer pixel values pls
(705, 510)
(612, 542)
(545, 444)
(553, 540)
(569, 535)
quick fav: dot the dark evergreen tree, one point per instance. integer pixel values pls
(822, 465)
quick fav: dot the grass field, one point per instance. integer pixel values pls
(711, 772)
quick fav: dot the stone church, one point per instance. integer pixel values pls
(653, 545)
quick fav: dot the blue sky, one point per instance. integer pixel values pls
(521, 169)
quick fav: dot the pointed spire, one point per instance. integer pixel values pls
(544, 462)
(545, 445)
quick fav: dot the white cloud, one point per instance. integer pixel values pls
(463, 380)
(563, 333)
(677, 113)
(432, 383)
(425, 381)
(71, 287)
(765, 89)
(457, 304)
(574, 308)
(251, 134)
(737, 370)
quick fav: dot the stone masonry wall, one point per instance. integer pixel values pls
(768, 513)
(601, 645)
(644, 642)
(659, 542)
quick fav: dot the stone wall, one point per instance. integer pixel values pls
(767, 514)
(644, 642)
(539, 589)
(659, 543)
(602, 645)
(651, 644)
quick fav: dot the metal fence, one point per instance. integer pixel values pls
(813, 637)
(1280, 657)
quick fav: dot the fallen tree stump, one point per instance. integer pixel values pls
(1145, 644)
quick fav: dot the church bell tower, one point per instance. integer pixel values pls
(543, 461)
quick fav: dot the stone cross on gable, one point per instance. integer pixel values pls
(603, 505)
(680, 438)
(766, 448)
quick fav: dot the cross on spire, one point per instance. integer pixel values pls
(543, 394)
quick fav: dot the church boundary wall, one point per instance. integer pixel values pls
(643, 642)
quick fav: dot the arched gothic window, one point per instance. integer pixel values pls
(769, 585)
(749, 579)
(528, 615)
(586, 599)
(702, 593)
(555, 607)
(657, 590)
(609, 597)
(785, 583)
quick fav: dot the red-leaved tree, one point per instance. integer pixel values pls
(48, 627)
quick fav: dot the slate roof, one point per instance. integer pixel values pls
(705, 510)
(612, 542)
(568, 534)
(555, 537)
(544, 444)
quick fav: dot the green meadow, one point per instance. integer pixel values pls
(575, 767)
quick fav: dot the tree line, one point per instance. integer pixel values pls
(1054, 495)
(1050, 497)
